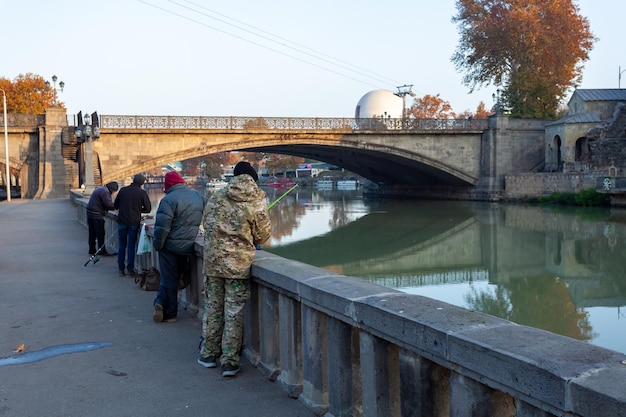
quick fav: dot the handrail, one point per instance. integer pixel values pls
(285, 123)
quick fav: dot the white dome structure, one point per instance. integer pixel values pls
(379, 103)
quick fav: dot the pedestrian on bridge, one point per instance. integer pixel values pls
(99, 204)
(175, 230)
(236, 220)
(130, 202)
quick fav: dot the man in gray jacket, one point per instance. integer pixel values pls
(175, 230)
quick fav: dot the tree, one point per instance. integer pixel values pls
(533, 49)
(28, 94)
(281, 163)
(431, 107)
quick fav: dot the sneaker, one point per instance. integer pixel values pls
(230, 369)
(210, 362)
(158, 313)
(121, 273)
(170, 320)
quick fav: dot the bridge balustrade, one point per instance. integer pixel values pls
(347, 347)
(287, 123)
(23, 120)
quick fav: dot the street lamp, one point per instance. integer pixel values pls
(496, 98)
(403, 90)
(6, 147)
(61, 84)
(619, 77)
(85, 133)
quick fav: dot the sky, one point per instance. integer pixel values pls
(275, 58)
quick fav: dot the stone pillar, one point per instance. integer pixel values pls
(290, 331)
(341, 351)
(313, 360)
(52, 175)
(268, 333)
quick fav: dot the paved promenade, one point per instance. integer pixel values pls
(90, 345)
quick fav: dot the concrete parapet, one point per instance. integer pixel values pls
(418, 356)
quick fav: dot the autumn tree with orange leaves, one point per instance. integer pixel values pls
(431, 107)
(533, 49)
(28, 94)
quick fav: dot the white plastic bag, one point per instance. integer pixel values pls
(144, 245)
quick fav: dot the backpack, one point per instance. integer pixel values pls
(148, 279)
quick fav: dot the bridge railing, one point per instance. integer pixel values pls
(286, 123)
(346, 347)
(23, 120)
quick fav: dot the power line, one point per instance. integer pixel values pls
(314, 53)
(172, 12)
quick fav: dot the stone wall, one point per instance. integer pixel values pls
(520, 186)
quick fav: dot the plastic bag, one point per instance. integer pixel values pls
(144, 245)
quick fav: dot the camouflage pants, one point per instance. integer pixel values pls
(223, 319)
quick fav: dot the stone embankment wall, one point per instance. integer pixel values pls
(346, 347)
(520, 186)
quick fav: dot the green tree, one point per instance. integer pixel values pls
(28, 94)
(533, 49)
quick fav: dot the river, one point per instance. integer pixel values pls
(559, 269)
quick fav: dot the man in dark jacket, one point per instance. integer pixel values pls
(130, 202)
(99, 204)
(175, 230)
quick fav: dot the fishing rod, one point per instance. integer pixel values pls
(280, 198)
(95, 258)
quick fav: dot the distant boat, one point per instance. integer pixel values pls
(216, 183)
(281, 183)
(326, 183)
(347, 184)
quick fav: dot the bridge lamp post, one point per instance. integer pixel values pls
(496, 98)
(61, 84)
(85, 133)
(6, 146)
(403, 90)
(619, 77)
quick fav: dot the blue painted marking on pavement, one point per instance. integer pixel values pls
(50, 352)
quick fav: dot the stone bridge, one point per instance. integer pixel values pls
(426, 157)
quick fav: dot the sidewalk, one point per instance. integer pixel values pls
(49, 299)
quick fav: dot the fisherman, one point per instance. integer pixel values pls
(100, 203)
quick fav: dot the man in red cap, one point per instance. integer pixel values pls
(175, 230)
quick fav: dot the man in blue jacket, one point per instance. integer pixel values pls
(175, 230)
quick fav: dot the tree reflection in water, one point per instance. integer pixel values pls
(539, 302)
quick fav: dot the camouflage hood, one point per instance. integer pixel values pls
(243, 188)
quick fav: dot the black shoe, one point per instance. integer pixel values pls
(121, 273)
(105, 253)
(230, 370)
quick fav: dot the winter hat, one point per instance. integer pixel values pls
(139, 179)
(173, 178)
(112, 186)
(244, 167)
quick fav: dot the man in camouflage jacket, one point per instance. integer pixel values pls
(235, 220)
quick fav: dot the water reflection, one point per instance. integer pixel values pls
(555, 269)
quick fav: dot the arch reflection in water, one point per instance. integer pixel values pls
(554, 269)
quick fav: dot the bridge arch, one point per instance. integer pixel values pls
(391, 158)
